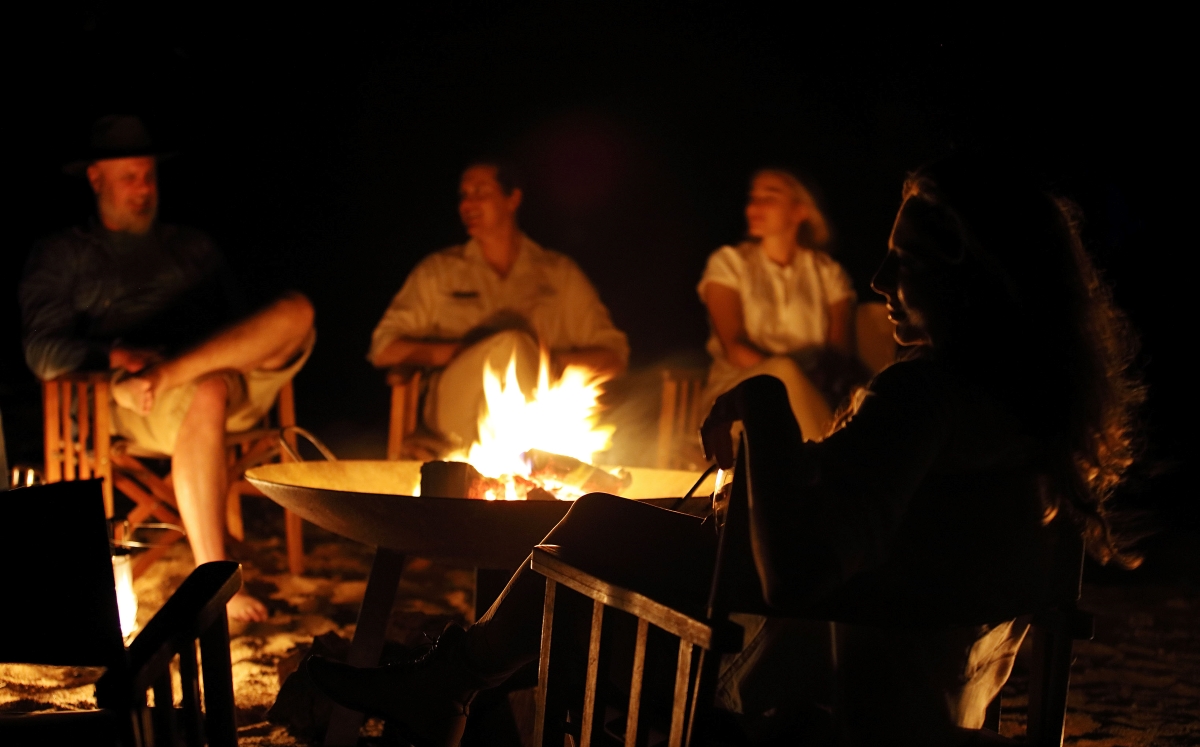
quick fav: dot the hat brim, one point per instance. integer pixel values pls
(80, 167)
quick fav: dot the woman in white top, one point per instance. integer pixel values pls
(779, 305)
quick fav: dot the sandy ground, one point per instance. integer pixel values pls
(1137, 683)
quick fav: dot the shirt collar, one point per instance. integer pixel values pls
(782, 271)
(528, 250)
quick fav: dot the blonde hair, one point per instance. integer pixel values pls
(814, 231)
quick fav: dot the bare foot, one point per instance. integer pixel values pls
(246, 608)
(137, 392)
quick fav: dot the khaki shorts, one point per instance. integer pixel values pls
(251, 396)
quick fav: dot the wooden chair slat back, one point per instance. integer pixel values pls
(679, 416)
(77, 430)
(402, 422)
(61, 600)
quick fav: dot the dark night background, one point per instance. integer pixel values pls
(323, 154)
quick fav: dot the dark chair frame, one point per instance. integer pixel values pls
(710, 633)
(195, 613)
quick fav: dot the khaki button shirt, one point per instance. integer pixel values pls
(454, 291)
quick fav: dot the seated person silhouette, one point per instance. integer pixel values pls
(155, 304)
(780, 305)
(478, 304)
(925, 526)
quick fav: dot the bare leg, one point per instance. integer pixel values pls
(265, 340)
(198, 466)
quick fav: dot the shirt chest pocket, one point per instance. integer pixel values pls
(459, 311)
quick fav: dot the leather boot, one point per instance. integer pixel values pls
(427, 700)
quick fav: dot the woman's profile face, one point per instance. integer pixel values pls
(909, 278)
(772, 208)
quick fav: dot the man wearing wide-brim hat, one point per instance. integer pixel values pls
(154, 303)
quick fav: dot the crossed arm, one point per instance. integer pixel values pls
(438, 353)
(729, 322)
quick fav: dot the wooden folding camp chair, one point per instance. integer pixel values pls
(405, 383)
(408, 437)
(679, 419)
(79, 445)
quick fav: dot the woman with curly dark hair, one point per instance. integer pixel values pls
(951, 501)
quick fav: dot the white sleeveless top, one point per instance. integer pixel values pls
(785, 309)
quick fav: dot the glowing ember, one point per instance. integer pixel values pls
(559, 419)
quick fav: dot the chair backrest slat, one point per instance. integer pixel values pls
(53, 431)
(84, 420)
(68, 433)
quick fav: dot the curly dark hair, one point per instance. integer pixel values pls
(1047, 338)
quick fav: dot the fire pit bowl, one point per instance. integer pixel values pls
(372, 502)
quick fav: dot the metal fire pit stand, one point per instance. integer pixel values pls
(380, 597)
(372, 502)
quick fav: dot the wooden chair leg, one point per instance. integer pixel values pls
(294, 529)
(233, 514)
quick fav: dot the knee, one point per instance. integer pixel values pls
(782, 368)
(592, 506)
(211, 396)
(515, 340)
(297, 310)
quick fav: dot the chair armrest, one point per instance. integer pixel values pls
(191, 610)
(402, 375)
(82, 377)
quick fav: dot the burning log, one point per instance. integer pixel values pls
(574, 474)
(548, 473)
(452, 480)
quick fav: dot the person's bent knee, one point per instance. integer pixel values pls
(593, 505)
(513, 338)
(212, 394)
(298, 309)
(781, 367)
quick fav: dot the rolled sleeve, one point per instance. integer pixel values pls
(726, 267)
(410, 314)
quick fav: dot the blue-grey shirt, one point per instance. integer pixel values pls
(86, 288)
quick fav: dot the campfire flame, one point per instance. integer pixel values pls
(559, 417)
(127, 601)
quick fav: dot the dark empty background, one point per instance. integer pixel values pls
(323, 153)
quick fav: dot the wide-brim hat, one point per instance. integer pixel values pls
(116, 136)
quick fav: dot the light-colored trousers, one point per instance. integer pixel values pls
(808, 405)
(456, 398)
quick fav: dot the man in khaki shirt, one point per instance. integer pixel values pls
(482, 303)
